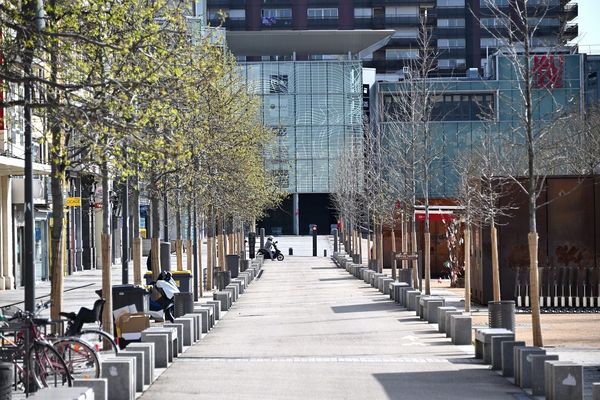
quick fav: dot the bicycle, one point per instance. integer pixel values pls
(38, 365)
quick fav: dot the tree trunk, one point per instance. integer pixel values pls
(178, 241)
(380, 247)
(534, 291)
(188, 253)
(495, 264)
(415, 250)
(394, 264)
(137, 240)
(467, 268)
(107, 320)
(57, 255)
(404, 241)
(155, 242)
(426, 262)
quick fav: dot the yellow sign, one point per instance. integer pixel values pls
(73, 202)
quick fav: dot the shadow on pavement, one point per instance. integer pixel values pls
(447, 385)
(363, 308)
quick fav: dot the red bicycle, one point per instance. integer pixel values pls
(36, 362)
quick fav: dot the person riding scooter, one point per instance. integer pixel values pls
(269, 246)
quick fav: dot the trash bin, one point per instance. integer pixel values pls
(244, 264)
(183, 303)
(223, 279)
(6, 380)
(501, 314)
(182, 280)
(125, 295)
(232, 262)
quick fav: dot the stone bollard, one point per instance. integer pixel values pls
(179, 328)
(98, 385)
(563, 380)
(120, 376)
(138, 361)
(62, 393)
(412, 299)
(216, 308)
(204, 315)
(596, 391)
(148, 350)
(442, 318)
(497, 350)
(432, 310)
(448, 323)
(224, 298)
(161, 348)
(538, 376)
(196, 324)
(508, 362)
(385, 285)
(188, 336)
(172, 337)
(483, 342)
(523, 374)
(460, 326)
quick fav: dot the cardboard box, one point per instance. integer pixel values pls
(131, 325)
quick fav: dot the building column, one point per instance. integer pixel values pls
(296, 207)
(7, 279)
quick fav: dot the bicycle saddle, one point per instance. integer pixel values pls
(68, 315)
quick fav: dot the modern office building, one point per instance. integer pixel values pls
(316, 110)
(464, 32)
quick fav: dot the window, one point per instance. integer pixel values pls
(543, 22)
(400, 54)
(450, 3)
(401, 11)
(493, 42)
(322, 13)
(278, 84)
(276, 13)
(492, 3)
(237, 14)
(448, 107)
(363, 12)
(495, 22)
(451, 23)
(450, 43)
(452, 63)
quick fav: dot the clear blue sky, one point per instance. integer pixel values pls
(589, 26)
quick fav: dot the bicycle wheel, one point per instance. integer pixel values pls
(47, 366)
(80, 357)
(101, 341)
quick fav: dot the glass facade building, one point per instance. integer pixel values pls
(315, 107)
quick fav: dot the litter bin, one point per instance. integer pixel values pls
(501, 314)
(232, 262)
(165, 256)
(182, 280)
(223, 279)
(183, 303)
(126, 295)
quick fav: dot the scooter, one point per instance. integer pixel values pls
(276, 254)
(166, 287)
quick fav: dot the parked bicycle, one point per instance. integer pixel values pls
(37, 363)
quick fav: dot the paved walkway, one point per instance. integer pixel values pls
(308, 330)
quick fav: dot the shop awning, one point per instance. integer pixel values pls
(16, 166)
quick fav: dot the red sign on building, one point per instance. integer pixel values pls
(548, 71)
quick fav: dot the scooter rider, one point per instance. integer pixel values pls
(269, 247)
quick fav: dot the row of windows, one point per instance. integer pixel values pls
(535, 3)
(314, 13)
(447, 107)
(451, 43)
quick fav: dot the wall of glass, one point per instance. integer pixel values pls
(315, 107)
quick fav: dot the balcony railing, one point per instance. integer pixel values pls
(276, 23)
(229, 24)
(321, 23)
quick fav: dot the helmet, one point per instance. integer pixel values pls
(270, 238)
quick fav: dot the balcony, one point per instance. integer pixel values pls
(276, 23)
(379, 3)
(323, 23)
(449, 32)
(387, 65)
(226, 3)
(571, 31)
(403, 42)
(229, 24)
(570, 12)
(400, 20)
(363, 23)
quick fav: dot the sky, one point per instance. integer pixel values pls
(589, 26)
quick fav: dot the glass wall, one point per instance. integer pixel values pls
(315, 107)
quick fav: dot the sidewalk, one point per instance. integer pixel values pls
(308, 330)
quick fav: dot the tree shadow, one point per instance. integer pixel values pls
(363, 308)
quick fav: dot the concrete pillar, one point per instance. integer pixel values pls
(296, 214)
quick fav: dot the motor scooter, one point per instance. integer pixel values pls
(166, 287)
(276, 253)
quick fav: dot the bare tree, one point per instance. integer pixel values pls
(534, 148)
